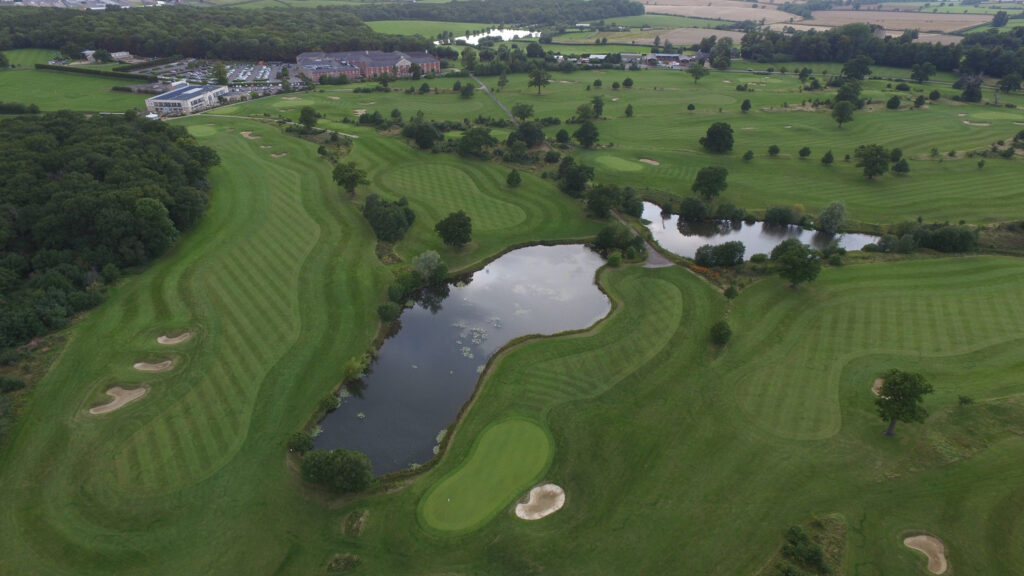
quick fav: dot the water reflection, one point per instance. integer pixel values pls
(428, 369)
(504, 33)
(683, 238)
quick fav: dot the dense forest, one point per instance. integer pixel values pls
(81, 199)
(225, 33)
(992, 53)
(522, 12)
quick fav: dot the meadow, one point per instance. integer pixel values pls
(428, 29)
(52, 91)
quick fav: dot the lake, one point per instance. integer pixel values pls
(503, 33)
(430, 367)
(757, 237)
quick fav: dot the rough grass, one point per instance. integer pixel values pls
(51, 91)
(426, 28)
(29, 57)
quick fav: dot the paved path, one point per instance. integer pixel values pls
(655, 259)
(495, 98)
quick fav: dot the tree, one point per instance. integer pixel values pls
(468, 90)
(629, 110)
(804, 152)
(901, 397)
(430, 267)
(602, 199)
(842, 112)
(1010, 82)
(584, 112)
(522, 111)
(774, 150)
(721, 54)
(469, 58)
(534, 50)
(4, 62)
(597, 103)
(502, 81)
(720, 333)
(308, 117)
(748, 155)
(971, 89)
(698, 71)
(745, 107)
(423, 133)
(562, 136)
(476, 142)
(389, 220)
(339, 471)
(831, 218)
(922, 72)
(616, 85)
(1000, 19)
(710, 182)
(573, 177)
(514, 179)
(934, 95)
(628, 82)
(850, 92)
(796, 262)
(901, 168)
(348, 176)
(893, 103)
(300, 442)
(828, 159)
(539, 77)
(586, 134)
(858, 67)
(873, 158)
(456, 229)
(919, 101)
(103, 56)
(220, 74)
(424, 88)
(718, 138)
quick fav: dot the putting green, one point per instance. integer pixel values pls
(504, 462)
(620, 164)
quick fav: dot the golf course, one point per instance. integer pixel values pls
(159, 440)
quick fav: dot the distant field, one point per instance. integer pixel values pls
(734, 10)
(900, 20)
(678, 36)
(426, 28)
(29, 57)
(663, 21)
(51, 90)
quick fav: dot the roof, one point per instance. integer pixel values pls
(186, 92)
(374, 58)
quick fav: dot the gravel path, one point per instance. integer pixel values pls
(495, 98)
(654, 258)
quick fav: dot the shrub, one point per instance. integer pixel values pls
(615, 259)
(934, 95)
(759, 258)
(330, 403)
(339, 471)
(965, 400)
(692, 210)
(389, 311)
(748, 155)
(552, 156)
(300, 442)
(773, 150)
(780, 216)
(723, 255)
(729, 212)
(721, 333)
(893, 103)
(903, 87)
(10, 384)
(805, 152)
(731, 292)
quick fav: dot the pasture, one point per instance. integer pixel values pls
(29, 57)
(52, 91)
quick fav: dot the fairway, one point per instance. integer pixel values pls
(505, 460)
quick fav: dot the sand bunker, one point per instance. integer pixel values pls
(788, 126)
(1018, 123)
(969, 123)
(290, 98)
(279, 155)
(158, 367)
(120, 398)
(876, 388)
(334, 97)
(651, 162)
(172, 340)
(962, 114)
(749, 128)
(542, 501)
(247, 134)
(359, 111)
(933, 548)
(264, 147)
(367, 103)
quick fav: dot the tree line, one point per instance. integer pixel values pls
(222, 33)
(522, 12)
(80, 200)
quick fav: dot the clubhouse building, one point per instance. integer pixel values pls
(361, 64)
(185, 100)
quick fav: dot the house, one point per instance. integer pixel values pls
(365, 64)
(629, 58)
(185, 100)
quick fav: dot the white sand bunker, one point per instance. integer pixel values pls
(542, 501)
(247, 134)
(334, 97)
(158, 367)
(264, 147)
(282, 154)
(290, 98)
(120, 397)
(876, 388)
(969, 123)
(962, 114)
(933, 548)
(1018, 123)
(359, 111)
(172, 340)
(651, 162)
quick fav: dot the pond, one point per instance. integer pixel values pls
(757, 237)
(426, 372)
(503, 33)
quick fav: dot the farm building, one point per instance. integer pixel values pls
(185, 100)
(365, 64)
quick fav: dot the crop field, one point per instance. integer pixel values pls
(735, 10)
(29, 57)
(663, 21)
(901, 20)
(52, 90)
(677, 36)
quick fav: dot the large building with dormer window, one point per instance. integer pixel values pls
(365, 64)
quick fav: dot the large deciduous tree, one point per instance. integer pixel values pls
(698, 71)
(901, 397)
(587, 134)
(796, 262)
(308, 117)
(831, 218)
(456, 229)
(718, 138)
(348, 175)
(873, 158)
(842, 112)
(710, 182)
(539, 78)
